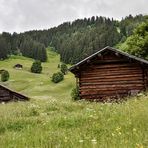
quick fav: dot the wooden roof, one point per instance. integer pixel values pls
(21, 96)
(108, 49)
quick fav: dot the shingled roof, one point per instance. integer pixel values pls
(109, 49)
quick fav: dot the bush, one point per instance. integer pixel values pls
(64, 69)
(36, 67)
(57, 77)
(4, 76)
(75, 93)
(59, 66)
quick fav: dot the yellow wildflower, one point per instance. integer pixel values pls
(118, 128)
(139, 145)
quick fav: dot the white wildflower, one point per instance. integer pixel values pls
(94, 141)
(81, 141)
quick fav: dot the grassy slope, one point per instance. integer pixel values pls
(51, 119)
(37, 85)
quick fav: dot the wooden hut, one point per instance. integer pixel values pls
(110, 74)
(7, 95)
(18, 66)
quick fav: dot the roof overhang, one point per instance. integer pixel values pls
(22, 97)
(142, 61)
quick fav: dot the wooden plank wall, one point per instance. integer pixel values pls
(5, 95)
(111, 78)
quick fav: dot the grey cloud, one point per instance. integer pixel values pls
(22, 15)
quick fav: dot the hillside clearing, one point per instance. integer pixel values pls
(37, 85)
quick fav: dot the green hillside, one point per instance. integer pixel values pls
(52, 120)
(37, 85)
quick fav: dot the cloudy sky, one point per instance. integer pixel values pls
(23, 15)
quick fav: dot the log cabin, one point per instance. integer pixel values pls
(110, 74)
(7, 95)
(18, 66)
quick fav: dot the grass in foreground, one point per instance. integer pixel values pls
(54, 123)
(52, 119)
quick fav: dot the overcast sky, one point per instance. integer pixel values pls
(23, 15)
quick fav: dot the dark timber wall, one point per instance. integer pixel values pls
(9, 95)
(111, 76)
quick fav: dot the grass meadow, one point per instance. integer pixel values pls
(52, 120)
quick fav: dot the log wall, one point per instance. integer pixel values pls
(4, 95)
(111, 77)
(8, 95)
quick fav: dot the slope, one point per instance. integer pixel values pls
(37, 85)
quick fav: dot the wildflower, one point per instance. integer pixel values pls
(119, 133)
(66, 139)
(43, 114)
(89, 109)
(140, 94)
(94, 141)
(139, 145)
(118, 128)
(134, 130)
(44, 123)
(91, 116)
(81, 141)
(113, 134)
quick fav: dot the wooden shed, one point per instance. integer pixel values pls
(7, 95)
(110, 74)
(18, 66)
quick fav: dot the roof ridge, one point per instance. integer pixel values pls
(112, 49)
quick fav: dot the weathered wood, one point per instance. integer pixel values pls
(111, 80)
(108, 73)
(9, 95)
(6, 98)
(111, 75)
(111, 86)
(111, 83)
(86, 77)
(116, 65)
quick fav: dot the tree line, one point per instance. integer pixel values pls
(19, 44)
(72, 40)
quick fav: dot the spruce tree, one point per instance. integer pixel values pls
(64, 68)
(36, 67)
(4, 75)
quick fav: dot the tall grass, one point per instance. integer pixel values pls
(53, 123)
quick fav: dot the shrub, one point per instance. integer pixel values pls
(75, 93)
(59, 66)
(57, 77)
(64, 69)
(36, 67)
(4, 76)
